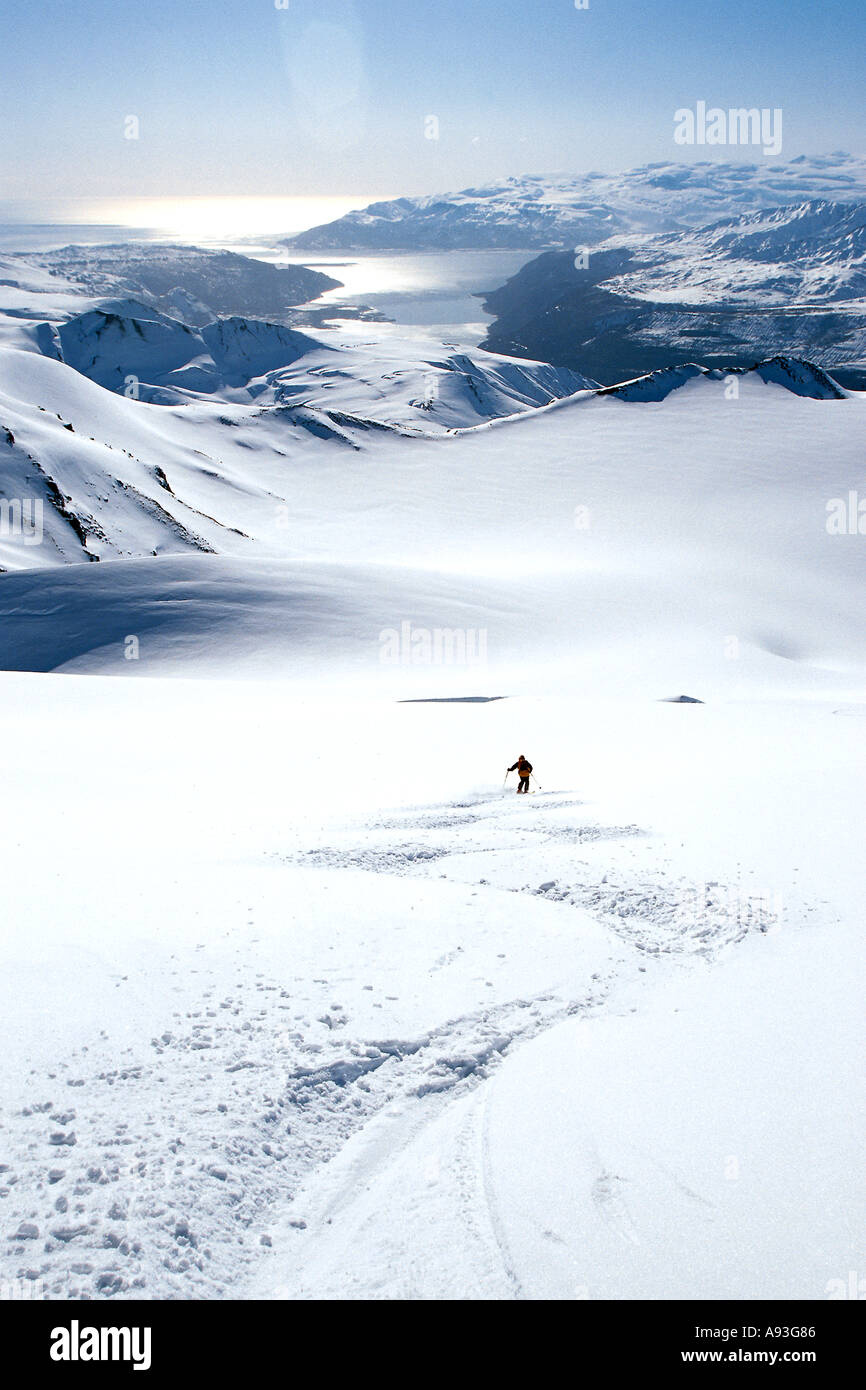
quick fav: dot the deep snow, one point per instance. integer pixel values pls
(299, 999)
(301, 970)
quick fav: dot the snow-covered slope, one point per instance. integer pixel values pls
(363, 1024)
(595, 525)
(583, 209)
(112, 473)
(409, 385)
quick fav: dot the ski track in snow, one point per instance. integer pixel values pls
(108, 1174)
(653, 912)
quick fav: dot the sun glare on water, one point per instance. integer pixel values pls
(202, 221)
(227, 219)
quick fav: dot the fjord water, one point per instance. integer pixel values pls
(434, 292)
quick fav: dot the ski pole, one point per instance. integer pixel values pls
(506, 777)
(536, 781)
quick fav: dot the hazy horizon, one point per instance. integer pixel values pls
(338, 97)
(43, 223)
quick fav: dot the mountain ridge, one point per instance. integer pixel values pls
(536, 211)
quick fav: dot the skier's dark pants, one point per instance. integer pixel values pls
(523, 784)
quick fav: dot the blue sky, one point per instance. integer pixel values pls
(331, 96)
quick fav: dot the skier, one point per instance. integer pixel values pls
(523, 769)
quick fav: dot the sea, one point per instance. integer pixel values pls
(432, 293)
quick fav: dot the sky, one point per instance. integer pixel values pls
(313, 97)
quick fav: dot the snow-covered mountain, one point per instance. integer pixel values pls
(788, 280)
(126, 346)
(114, 476)
(132, 347)
(811, 253)
(89, 439)
(802, 378)
(137, 435)
(559, 211)
(129, 348)
(192, 284)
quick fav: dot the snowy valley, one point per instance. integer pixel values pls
(300, 1000)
